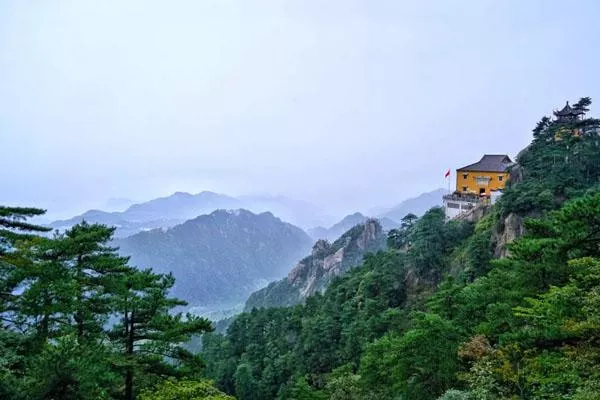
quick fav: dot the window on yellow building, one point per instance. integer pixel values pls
(465, 176)
(500, 177)
(464, 188)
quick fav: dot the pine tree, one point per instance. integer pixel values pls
(14, 229)
(148, 337)
(14, 232)
(93, 267)
(13, 225)
(44, 303)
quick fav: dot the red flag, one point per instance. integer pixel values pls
(447, 173)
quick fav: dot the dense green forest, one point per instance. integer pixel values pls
(77, 322)
(441, 314)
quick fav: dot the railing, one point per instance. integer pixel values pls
(473, 198)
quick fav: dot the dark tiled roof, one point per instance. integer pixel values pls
(490, 163)
(567, 110)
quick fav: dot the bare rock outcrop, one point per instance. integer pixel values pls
(512, 228)
(315, 272)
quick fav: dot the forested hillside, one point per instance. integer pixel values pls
(451, 310)
(77, 322)
(222, 257)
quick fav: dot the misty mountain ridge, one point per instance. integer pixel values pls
(221, 257)
(168, 211)
(335, 231)
(417, 205)
(388, 217)
(118, 204)
(165, 212)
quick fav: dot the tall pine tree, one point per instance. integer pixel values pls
(149, 337)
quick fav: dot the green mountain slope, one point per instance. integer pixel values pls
(221, 257)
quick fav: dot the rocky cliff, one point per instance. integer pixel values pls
(315, 272)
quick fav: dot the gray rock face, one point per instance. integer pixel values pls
(327, 260)
(516, 175)
(315, 272)
(513, 229)
(475, 214)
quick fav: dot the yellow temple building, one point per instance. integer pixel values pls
(485, 176)
(480, 182)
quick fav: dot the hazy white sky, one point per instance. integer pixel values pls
(347, 104)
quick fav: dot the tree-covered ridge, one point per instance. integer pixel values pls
(222, 257)
(269, 351)
(436, 316)
(77, 322)
(562, 161)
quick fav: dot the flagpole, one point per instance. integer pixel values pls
(448, 175)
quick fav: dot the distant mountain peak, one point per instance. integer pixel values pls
(355, 215)
(219, 257)
(164, 212)
(181, 194)
(345, 224)
(417, 205)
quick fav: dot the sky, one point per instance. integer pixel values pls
(346, 104)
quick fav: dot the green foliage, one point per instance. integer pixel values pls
(399, 238)
(245, 385)
(148, 335)
(184, 389)
(67, 369)
(58, 300)
(342, 384)
(13, 225)
(299, 389)
(432, 240)
(561, 163)
(454, 394)
(410, 365)
(267, 349)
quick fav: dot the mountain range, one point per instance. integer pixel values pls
(219, 258)
(169, 211)
(388, 217)
(349, 221)
(417, 205)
